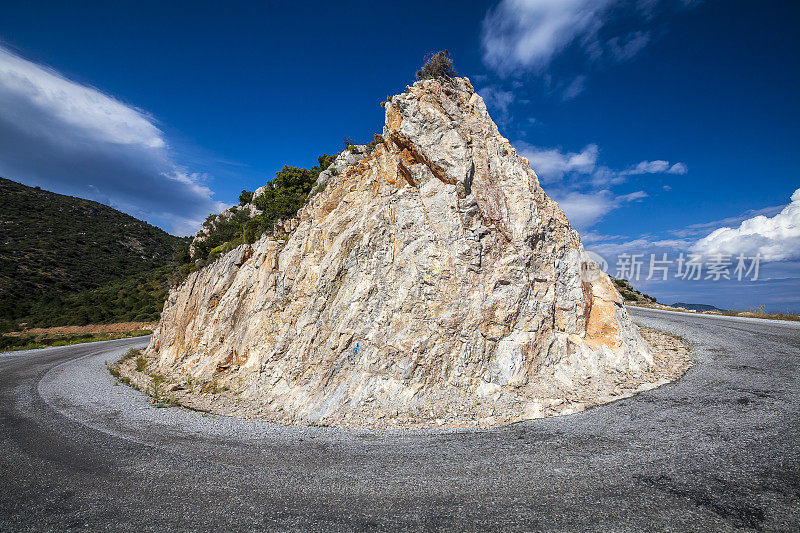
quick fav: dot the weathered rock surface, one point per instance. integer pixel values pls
(432, 282)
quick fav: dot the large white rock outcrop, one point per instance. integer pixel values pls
(432, 280)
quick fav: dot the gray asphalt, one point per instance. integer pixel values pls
(717, 450)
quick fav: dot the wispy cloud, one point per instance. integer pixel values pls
(522, 36)
(527, 34)
(659, 166)
(585, 209)
(593, 236)
(776, 238)
(75, 139)
(574, 88)
(703, 228)
(499, 101)
(626, 47)
(553, 164)
(645, 245)
(582, 185)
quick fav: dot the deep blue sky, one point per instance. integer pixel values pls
(239, 90)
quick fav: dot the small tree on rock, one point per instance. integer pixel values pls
(437, 65)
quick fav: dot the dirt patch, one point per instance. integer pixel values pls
(119, 327)
(671, 354)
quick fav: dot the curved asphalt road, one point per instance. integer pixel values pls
(717, 450)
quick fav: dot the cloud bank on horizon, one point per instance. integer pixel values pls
(776, 238)
(77, 140)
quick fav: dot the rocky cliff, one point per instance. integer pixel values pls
(431, 281)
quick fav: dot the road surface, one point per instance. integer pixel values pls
(717, 450)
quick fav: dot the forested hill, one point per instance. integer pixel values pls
(51, 244)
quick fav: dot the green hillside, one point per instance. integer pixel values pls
(630, 294)
(55, 249)
(135, 298)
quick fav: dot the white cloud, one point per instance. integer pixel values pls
(776, 238)
(585, 209)
(636, 195)
(644, 245)
(582, 186)
(89, 114)
(659, 166)
(678, 168)
(648, 167)
(74, 139)
(552, 164)
(704, 227)
(527, 34)
(593, 236)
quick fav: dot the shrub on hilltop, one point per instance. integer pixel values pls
(245, 197)
(437, 65)
(378, 139)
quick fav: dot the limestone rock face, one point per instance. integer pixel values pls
(432, 280)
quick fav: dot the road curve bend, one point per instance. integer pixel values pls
(719, 449)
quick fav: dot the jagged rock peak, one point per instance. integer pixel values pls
(432, 280)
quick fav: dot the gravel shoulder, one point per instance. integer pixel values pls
(671, 354)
